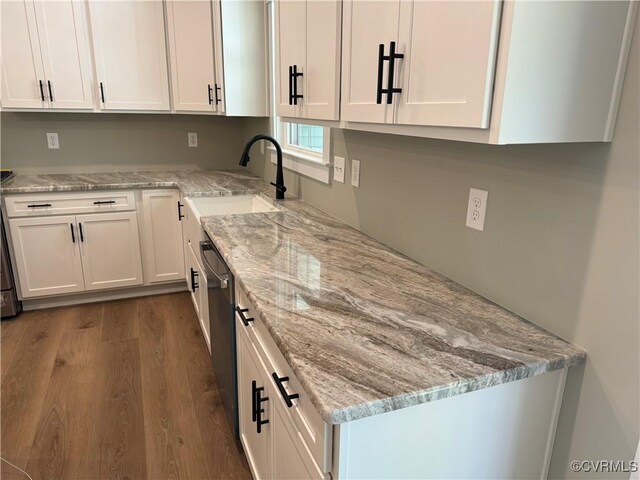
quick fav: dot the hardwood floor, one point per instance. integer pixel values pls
(121, 390)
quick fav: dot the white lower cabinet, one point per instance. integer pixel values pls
(47, 256)
(254, 397)
(110, 248)
(273, 443)
(197, 285)
(162, 236)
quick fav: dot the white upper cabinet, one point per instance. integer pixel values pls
(191, 50)
(45, 55)
(446, 74)
(308, 43)
(130, 54)
(366, 26)
(218, 56)
(22, 71)
(420, 63)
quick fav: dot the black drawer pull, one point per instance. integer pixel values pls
(39, 205)
(210, 91)
(194, 285)
(287, 397)
(180, 215)
(218, 99)
(101, 92)
(240, 312)
(104, 202)
(41, 90)
(81, 232)
(73, 235)
(256, 405)
(50, 91)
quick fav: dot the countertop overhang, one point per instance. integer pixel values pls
(366, 329)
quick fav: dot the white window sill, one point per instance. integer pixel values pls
(307, 165)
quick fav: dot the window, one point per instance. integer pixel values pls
(305, 148)
(307, 137)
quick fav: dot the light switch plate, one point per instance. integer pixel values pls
(338, 169)
(193, 139)
(52, 141)
(355, 173)
(477, 208)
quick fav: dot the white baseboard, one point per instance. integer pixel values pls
(77, 299)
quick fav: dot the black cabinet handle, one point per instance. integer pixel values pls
(217, 89)
(391, 58)
(41, 90)
(73, 235)
(104, 202)
(39, 205)
(194, 285)
(102, 92)
(295, 76)
(392, 66)
(180, 215)
(290, 84)
(209, 91)
(256, 404)
(240, 312)
(81, 232)
(50, 90)
(379, 89)
(287, 397)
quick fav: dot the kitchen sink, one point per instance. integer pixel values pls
(230, 205)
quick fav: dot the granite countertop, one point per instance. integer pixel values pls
(366, 329)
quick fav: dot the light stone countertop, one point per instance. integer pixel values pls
(365, 329)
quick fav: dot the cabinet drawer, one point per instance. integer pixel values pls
(316, 433)
(40, 204)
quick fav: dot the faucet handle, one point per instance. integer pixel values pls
(280, 188)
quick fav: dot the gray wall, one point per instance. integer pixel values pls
(560, 247)
(103, 142)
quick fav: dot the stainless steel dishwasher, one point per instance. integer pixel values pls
(221, 296)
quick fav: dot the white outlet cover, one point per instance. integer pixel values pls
(355, 173)
(338, 169)
(192, 139)
(477, 208)
(52, 141)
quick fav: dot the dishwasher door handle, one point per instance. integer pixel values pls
(224, 280)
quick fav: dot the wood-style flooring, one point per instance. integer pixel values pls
(120, 389)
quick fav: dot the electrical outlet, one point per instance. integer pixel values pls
(338, 169)
(477, 208)
(193, 139)
(52, 141)
(355, 173)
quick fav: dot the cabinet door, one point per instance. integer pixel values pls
(47, 255)
(219, 91)
(62, 28)
(291, 39)
(162, 235)
(190, 27)
(22, 71)
(131, 78)
(292, 459)
(449, 56)
(366, 25)
(257, 446)
(322, 67)
(110, 248)
(192, 273)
